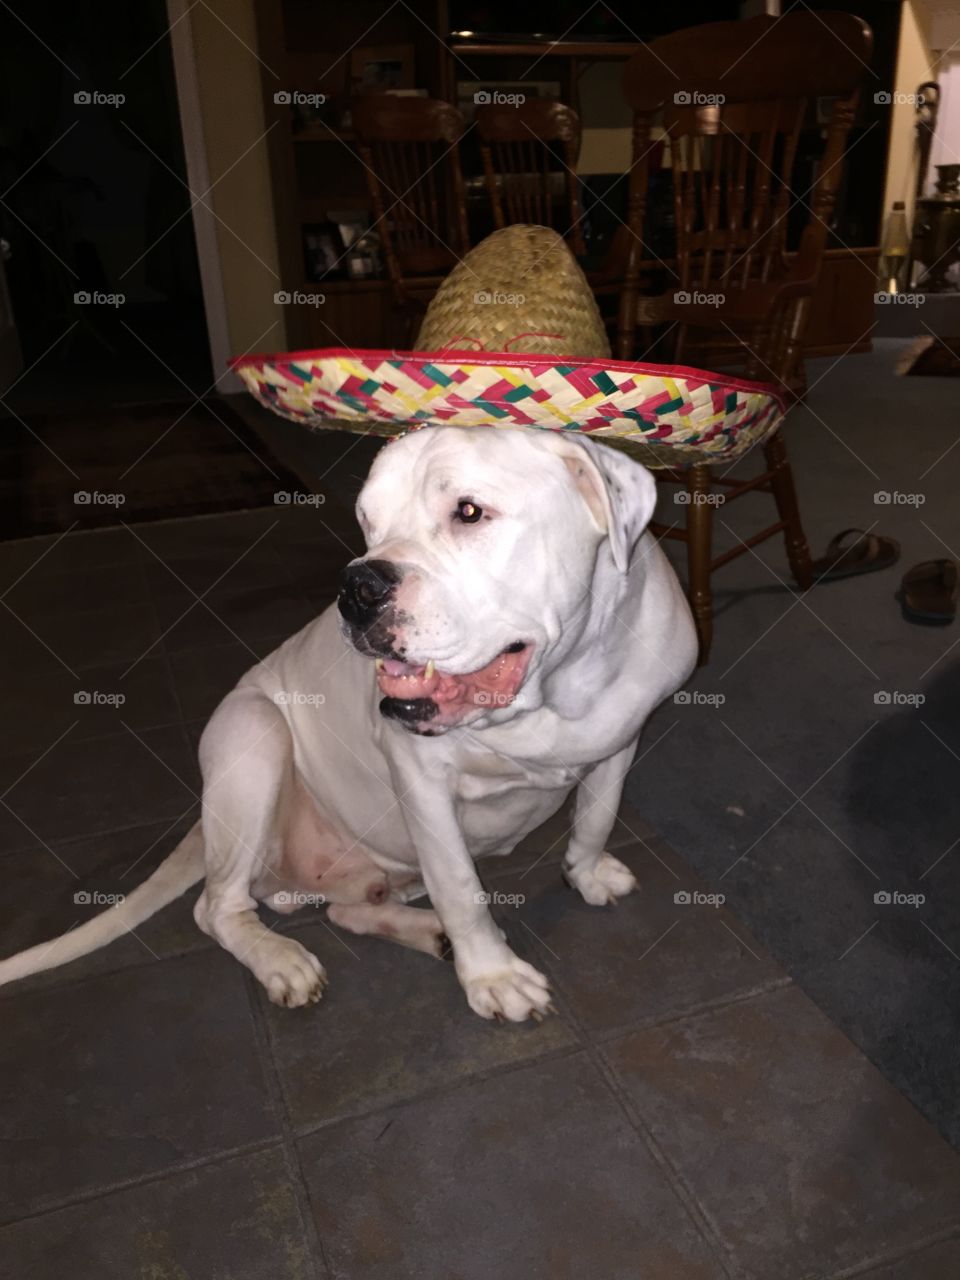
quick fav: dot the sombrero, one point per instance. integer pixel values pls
(513, 338)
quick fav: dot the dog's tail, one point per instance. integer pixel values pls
(183, 868)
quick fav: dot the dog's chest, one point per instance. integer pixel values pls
(485, 775)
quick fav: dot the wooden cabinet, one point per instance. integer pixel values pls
(841, 318)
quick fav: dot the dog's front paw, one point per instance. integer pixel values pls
(603, 883)
(515, 992)
(292, 975)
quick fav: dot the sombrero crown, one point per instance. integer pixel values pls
(521, 289)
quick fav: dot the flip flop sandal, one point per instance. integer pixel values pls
(865, 554)
(929, 591)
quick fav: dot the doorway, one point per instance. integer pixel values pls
(102, 271)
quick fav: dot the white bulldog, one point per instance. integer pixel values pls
(503, 641)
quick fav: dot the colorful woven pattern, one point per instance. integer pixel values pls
(387, 392)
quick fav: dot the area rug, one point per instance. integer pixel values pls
(931, 357)
(132, 463)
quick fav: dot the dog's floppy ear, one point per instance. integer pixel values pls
(620, 493)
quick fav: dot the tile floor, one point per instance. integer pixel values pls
(689, 1115)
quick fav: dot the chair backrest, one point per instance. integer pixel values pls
(409, 148)
(733, 98)
(529, 154)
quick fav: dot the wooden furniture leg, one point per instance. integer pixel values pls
(781, 482)
(699, 549)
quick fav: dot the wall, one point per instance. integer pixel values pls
(218, 80)
(916, 62)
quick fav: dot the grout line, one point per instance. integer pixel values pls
(98, 737)
(13, 990)
(604, 1036)
(868, 1265)
(275, 1092)
(444, 1090)
(144, 1180)
(68, 841)
(675, 1181)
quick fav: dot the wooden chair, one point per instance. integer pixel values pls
(733, 98)
(409, 148)
(529, 155)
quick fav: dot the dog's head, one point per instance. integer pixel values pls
(484, 549)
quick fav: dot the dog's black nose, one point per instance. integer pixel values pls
(365, 588)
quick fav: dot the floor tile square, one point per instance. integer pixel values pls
(77, 788)
(79, 589)
(394, 1023)
(115, 633)
(533, 1175)
(236, 1219)
(55, 554)
(41, 699)
(799, 1151)
(646, 958)
(127, 1075)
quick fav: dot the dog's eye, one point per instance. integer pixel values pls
(468, 512)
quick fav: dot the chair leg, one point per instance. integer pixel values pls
(781, 481)
(699, 554)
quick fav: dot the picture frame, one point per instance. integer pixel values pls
(381, 68)
(323, 252)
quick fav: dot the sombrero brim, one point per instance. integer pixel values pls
(386, 393)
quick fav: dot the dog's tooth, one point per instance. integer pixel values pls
(429, 669)
(379, 664)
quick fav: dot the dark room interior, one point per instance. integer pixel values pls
(635, 721)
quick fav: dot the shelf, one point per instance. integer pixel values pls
(557, 49)
(379, 285)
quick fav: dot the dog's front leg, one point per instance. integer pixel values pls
(497, 983)
(246, 755)
(600, 877)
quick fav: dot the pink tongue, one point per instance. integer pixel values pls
(494, 685)
(394, 667)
